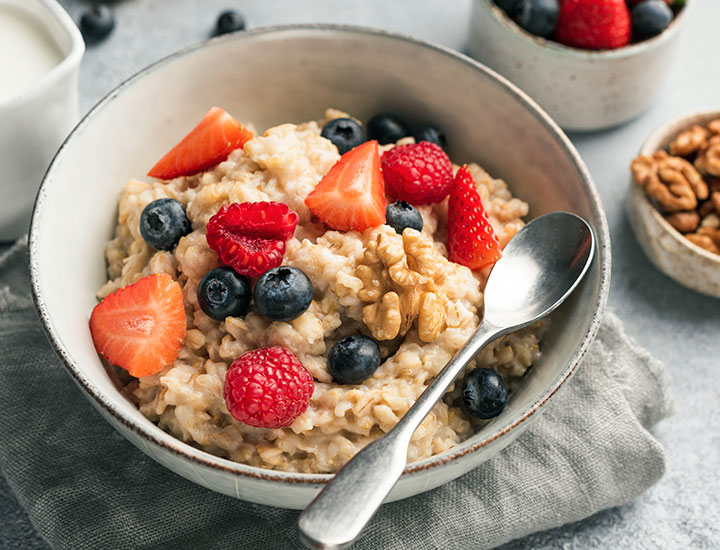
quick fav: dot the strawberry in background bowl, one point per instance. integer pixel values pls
(591, 64)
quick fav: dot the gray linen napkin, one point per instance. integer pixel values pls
(84, 486)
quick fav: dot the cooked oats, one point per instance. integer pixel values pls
(284, 164)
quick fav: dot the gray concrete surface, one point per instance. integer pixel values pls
(680, 327)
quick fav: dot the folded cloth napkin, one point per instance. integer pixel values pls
(84, 486)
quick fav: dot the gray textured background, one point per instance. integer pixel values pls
(678, 326)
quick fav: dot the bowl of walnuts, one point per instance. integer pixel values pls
(674, 203)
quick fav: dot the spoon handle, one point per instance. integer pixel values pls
(337, 515)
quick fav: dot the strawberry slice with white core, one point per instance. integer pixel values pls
(208, 144)
(351, 196)
(141, 327)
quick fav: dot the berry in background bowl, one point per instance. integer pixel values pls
(591, 64)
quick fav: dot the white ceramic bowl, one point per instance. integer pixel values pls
(580, 89)
(667, 248)
(269, 76)
(34, 123)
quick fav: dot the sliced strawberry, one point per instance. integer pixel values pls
(471, 239)
(351, 196)
(250, 236)
(208, 144)
(141, 327)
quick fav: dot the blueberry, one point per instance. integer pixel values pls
(223, 293)
(431, 134)
(353, 359)
(283, 293)
(163, 222)
(229, 21)
(651, 17)
(401, 214)
(511, 7)
(345, 134)
(96, 23)
(484, 393)
(387, 128)
(539, 17)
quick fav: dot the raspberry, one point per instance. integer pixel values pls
(420, 173)
(267, 388)
(250, 236)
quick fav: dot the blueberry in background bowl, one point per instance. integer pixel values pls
(651, 17)
(539, 17)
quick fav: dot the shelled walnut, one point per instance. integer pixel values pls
(685, 222)
(685, 184)
(401, 277)
(672, 181)
(703, 241)
(714, 126)
(708, 158)
(689, 141)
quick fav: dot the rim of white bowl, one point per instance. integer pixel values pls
(654, 143)
(68, 63)
(589, 55)
(155, 435)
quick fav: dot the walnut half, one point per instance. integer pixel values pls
(673, 182)
(685, 222)
(401, 277)
(689, 141)
(708, 159)
(703, 241)
(431, 317)
(383, 318)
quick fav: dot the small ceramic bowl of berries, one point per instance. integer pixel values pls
(674, 200)
(590, 64)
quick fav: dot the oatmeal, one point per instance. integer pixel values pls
(398, 288)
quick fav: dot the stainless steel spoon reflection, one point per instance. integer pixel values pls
(539, 269)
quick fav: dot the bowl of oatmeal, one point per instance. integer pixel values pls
(415, 294)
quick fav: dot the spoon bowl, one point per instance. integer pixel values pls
(540, 268)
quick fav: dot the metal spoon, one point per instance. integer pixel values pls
(540, 267)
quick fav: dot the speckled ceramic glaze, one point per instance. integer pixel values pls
(292, 74)
(672, 253)
(580, 89)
